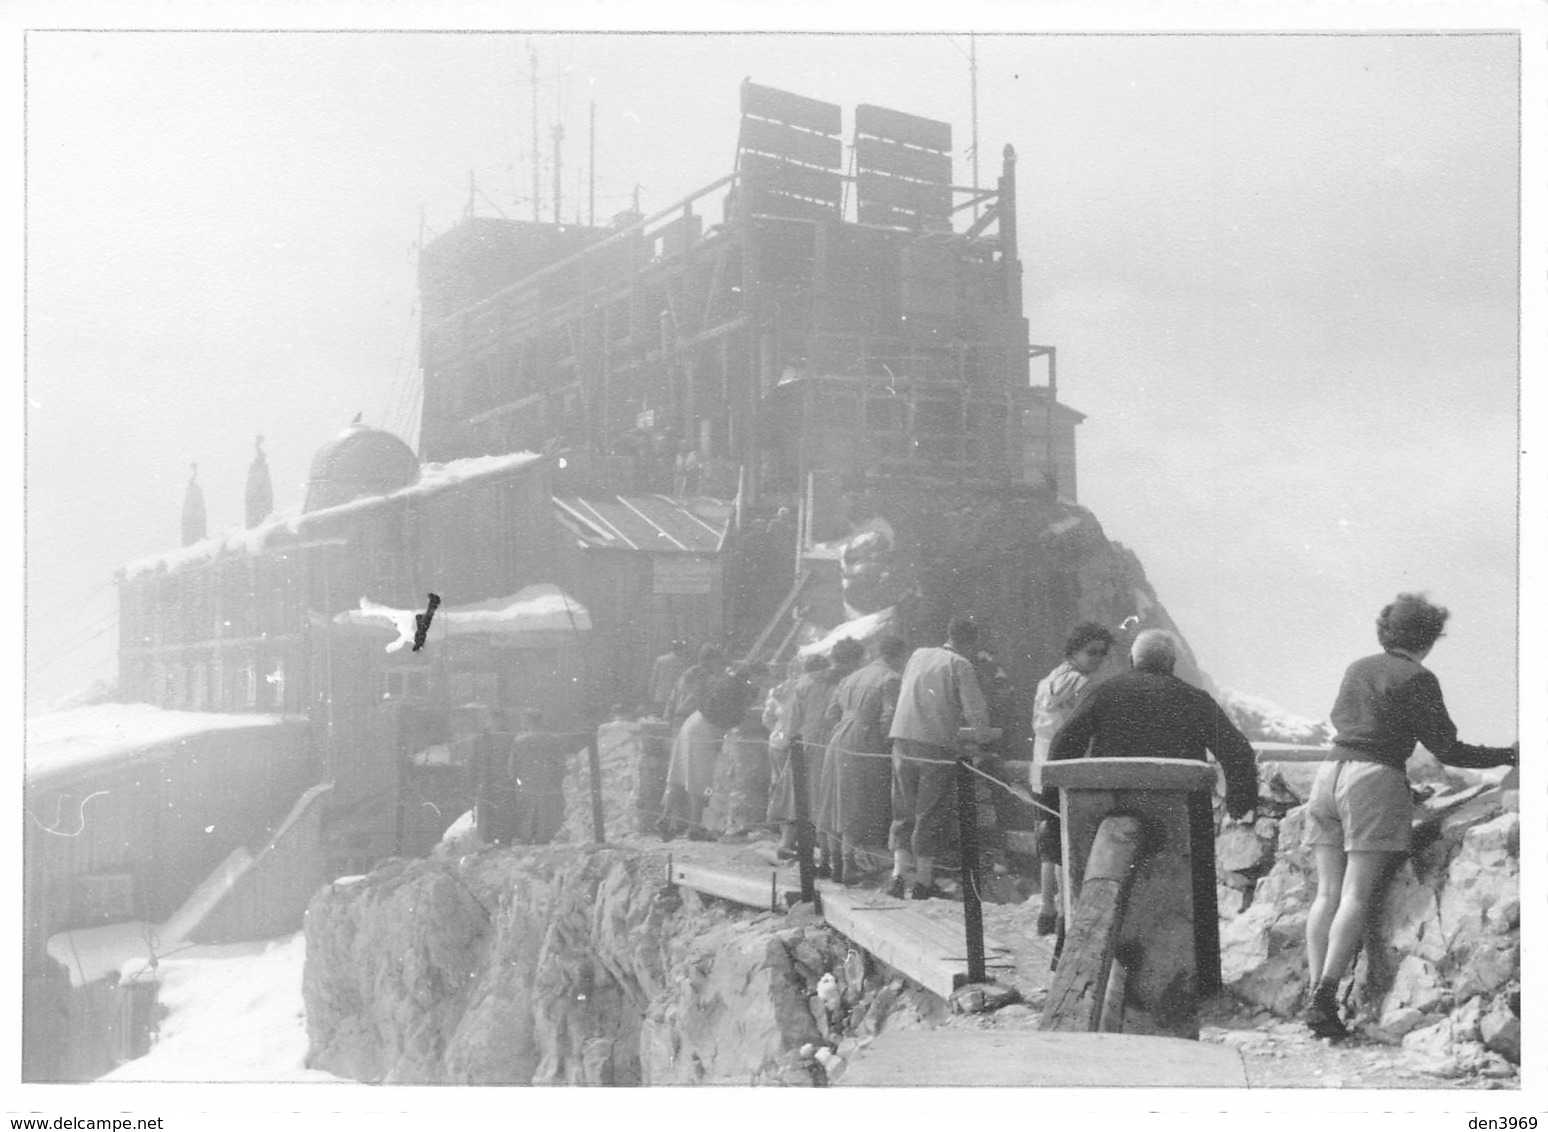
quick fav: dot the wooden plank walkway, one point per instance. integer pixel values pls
(930, 950)
(1031, 1058)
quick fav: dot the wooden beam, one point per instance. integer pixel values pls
(931, 953)
(1080, 985)
(1125, 774)
(744, 888)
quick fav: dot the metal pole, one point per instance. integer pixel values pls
(973, 71)
(803, 822)
(558, 138)
(594, 758)
(537, 187)
(972, 908)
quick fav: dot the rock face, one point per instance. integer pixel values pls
(1443, 961)
(572, 966)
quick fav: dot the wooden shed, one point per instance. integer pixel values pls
(651, 570)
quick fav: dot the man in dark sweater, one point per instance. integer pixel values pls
(1150, 713)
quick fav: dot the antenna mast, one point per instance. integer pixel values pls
(537, 186)
(973, 75)
(558, 138)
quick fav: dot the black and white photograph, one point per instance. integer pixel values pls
(978, 555)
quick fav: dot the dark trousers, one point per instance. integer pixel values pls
(924, 798)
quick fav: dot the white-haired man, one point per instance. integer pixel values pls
(1150, 713)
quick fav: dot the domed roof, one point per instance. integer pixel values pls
(359, 461)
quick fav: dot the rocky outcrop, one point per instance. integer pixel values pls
(1440, 971)
(575, 966)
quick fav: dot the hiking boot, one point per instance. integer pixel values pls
(897, 888)
(925, 892)
(698, 833)
(1321, 1018)
(822, 872)
(1047, 923)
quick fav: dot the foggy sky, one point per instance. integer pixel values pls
(1281, 273)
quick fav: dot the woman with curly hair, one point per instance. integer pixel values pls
(1358, 818)
(1057, 694)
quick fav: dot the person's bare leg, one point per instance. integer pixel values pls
(1361, 877)
(1330, 881)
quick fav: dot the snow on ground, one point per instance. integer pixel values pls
(235, 1014)
(66, 740)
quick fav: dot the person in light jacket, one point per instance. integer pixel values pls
(938, 696)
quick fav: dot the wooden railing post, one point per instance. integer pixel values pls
(594, 759)
(972, 907)
(1079, 991)
(1153, 929)
(803, 821)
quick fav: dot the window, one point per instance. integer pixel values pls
(938, 428)
(886, 426)
(247, 687)
(409, 685)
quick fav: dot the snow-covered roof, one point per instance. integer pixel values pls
(65, 741)
(539, 608)
(432, 478)
(863, 629)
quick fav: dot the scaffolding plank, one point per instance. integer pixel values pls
(879, 122)
(908, 196)
(796, 109)
(879, 155)
(772, 175)
(779, 140)
(885, 216)
(732, 884)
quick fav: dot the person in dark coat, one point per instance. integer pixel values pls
(1358, 818)
(684, 700)
(856, 808)
(1150, 713)
(536, 766)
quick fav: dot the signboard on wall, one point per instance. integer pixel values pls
(682, 574)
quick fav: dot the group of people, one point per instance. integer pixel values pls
(1359, 813)
(874, 746)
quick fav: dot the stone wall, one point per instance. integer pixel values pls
(1440, 970)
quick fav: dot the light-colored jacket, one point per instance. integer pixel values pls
(939, 695)
(1058, 693)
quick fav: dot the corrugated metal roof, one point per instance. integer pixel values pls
(659, 524)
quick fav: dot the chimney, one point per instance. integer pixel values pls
(260, 490)
(193, 509)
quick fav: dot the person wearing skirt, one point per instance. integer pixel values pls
(854, 808)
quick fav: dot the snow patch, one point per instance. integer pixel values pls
(539, 608)
(68, 740)
(863, 629)
(235, 1013)
(432, 478)
(1265, 720)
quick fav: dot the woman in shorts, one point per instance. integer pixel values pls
(1358, 816)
